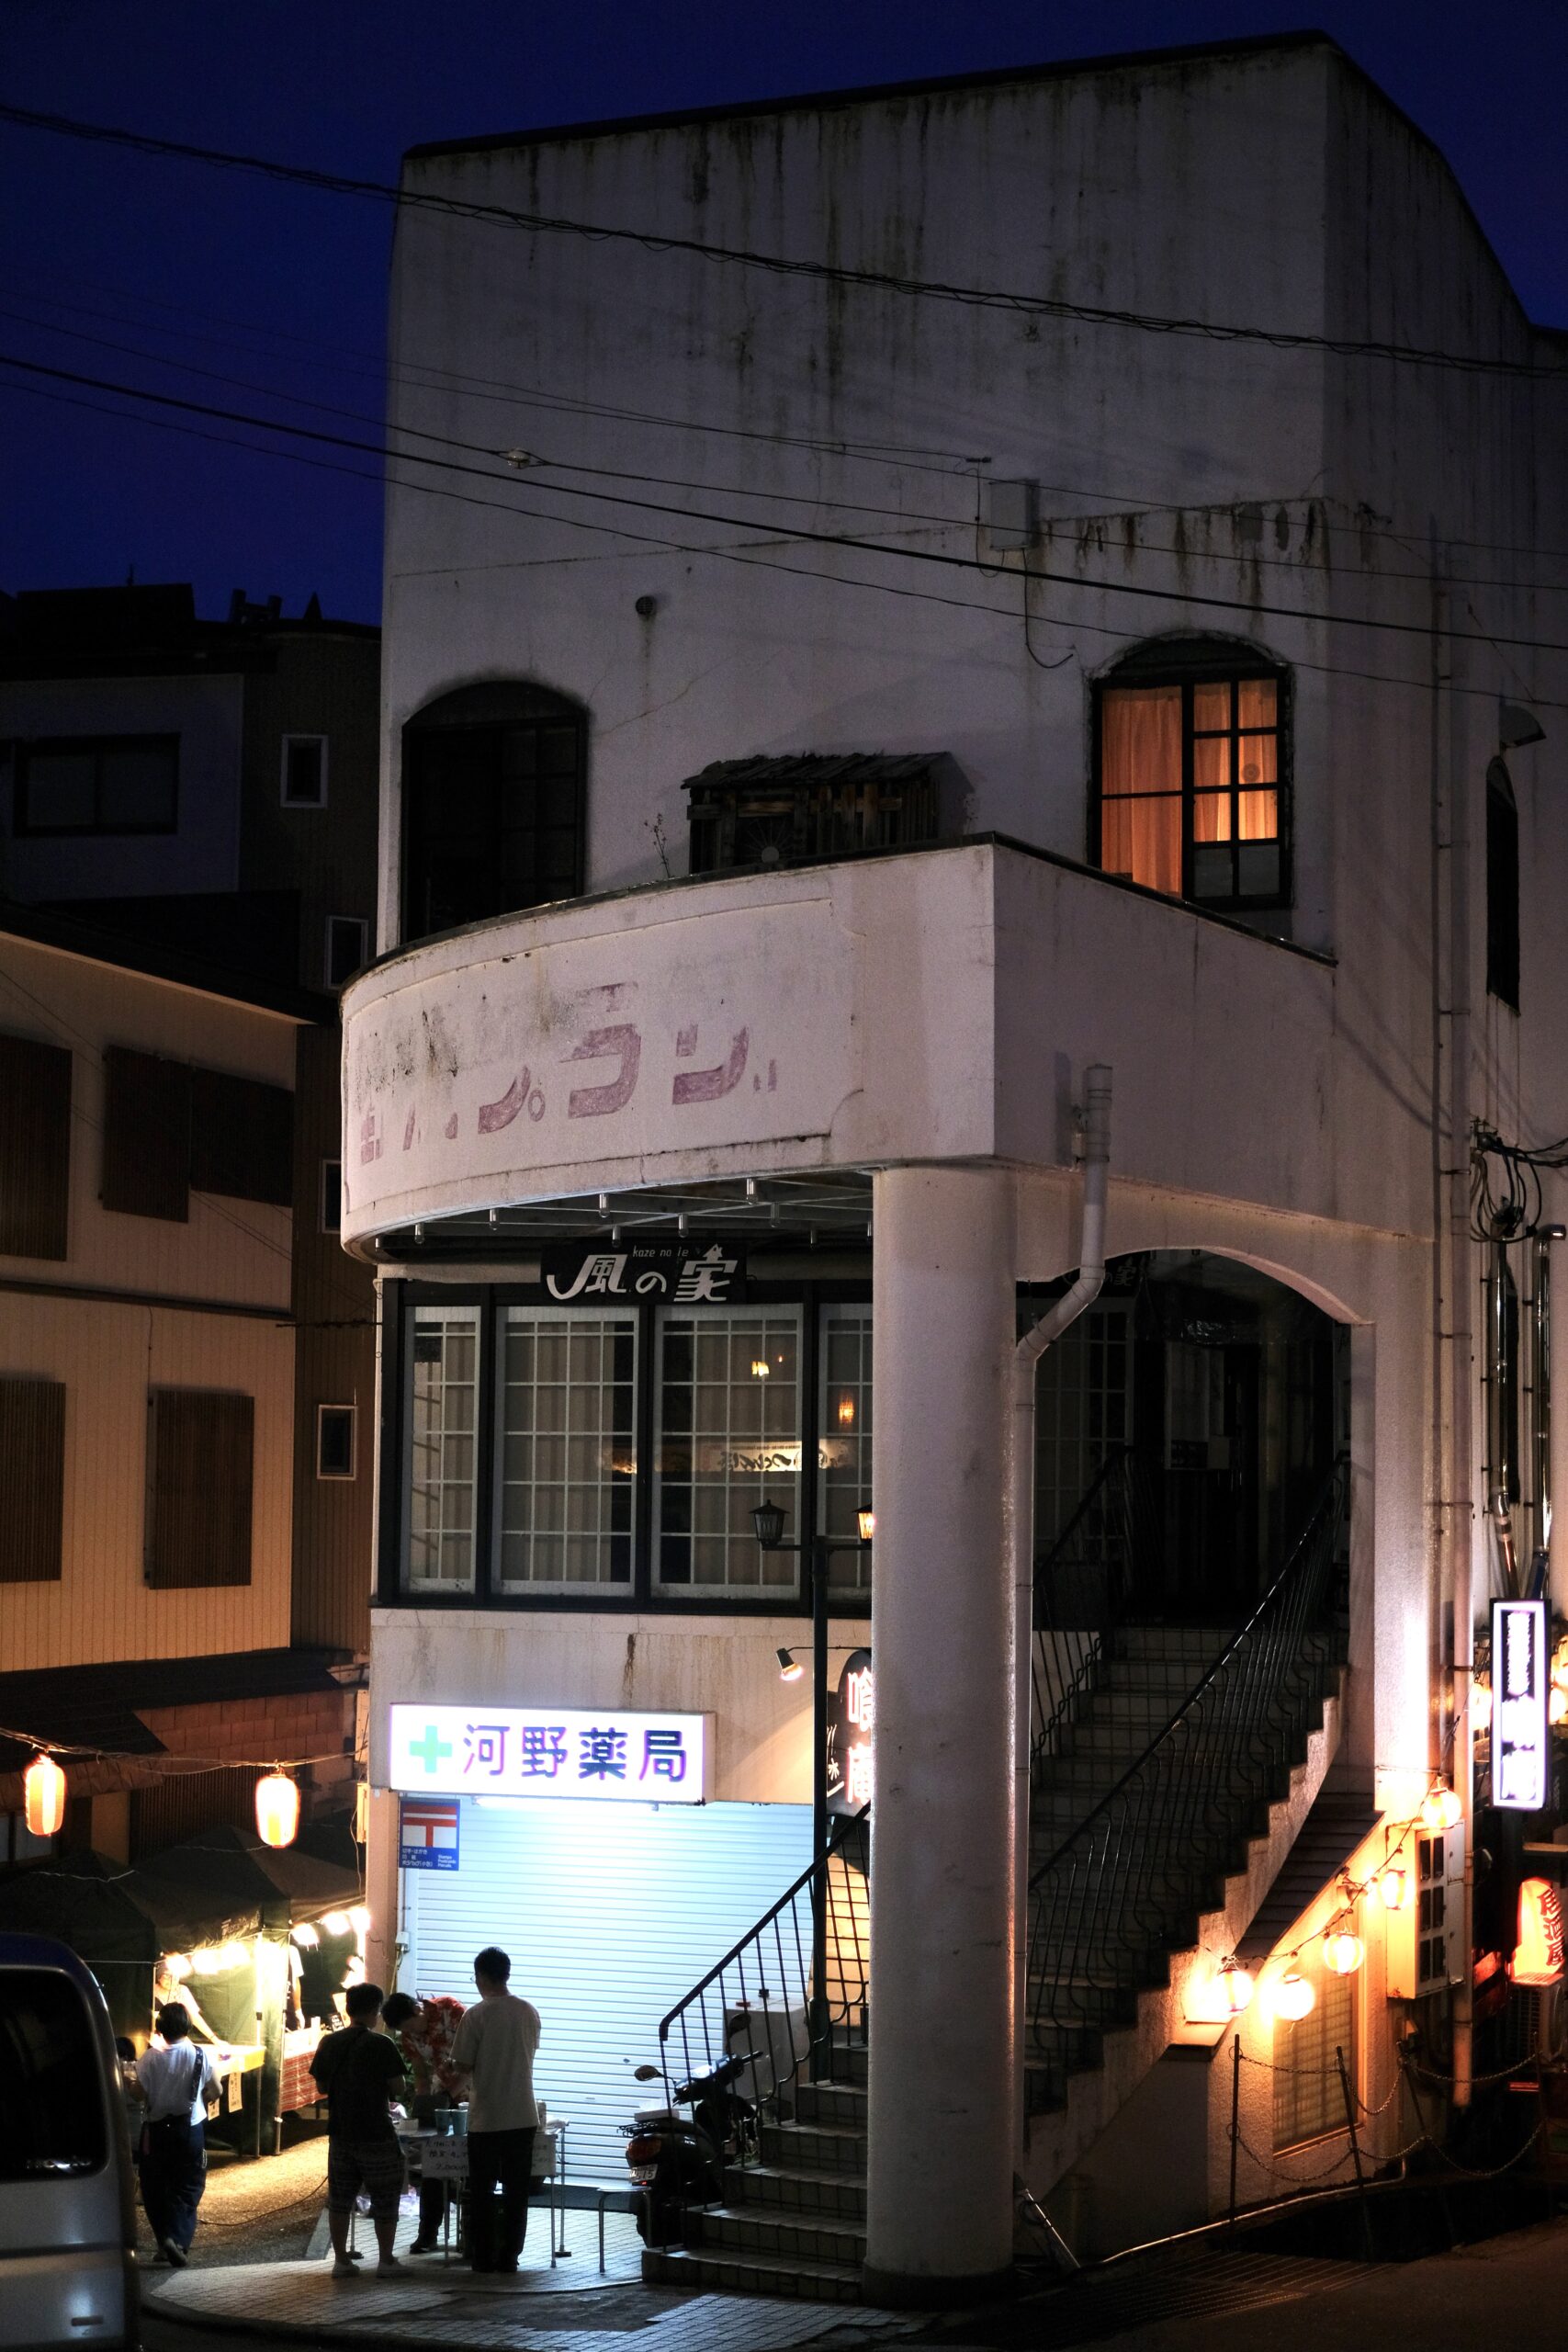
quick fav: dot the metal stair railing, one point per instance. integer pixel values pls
(1123, 1882)
(758, 1997)
(1080, 1585)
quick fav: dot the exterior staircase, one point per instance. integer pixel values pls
(1173, 1767)
(795, 2222)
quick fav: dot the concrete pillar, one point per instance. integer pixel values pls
(938, 2211)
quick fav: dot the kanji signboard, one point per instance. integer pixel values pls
(606, 1757)
(1521, 1691)
(852, 1732)
(683, 1274)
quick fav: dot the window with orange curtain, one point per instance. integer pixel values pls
(1190, 791)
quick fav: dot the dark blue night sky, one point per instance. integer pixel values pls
(138, 268)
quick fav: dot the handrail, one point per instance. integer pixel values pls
(1114, 1457)
(1114, 1892)
(768, 1971)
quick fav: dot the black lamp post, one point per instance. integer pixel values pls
(768, 1519)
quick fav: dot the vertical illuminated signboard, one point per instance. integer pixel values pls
(1520, 1692)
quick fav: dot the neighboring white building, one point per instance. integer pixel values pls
(879, 690)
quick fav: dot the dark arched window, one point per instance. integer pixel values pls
(1192, 774)
(492, 806)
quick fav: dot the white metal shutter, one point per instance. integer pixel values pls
(611, 1915)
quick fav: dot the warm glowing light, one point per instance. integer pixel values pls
(1343, 1952)
(359, 1918)
(43, 1796)
(866, 1521)
(232, 1955)
(1392, 1886)
(305, 1936)
(177, 1966)
(1441, 1812)
(338, 1923)
(759, 1367)
(277, 1809)
(1235, 1986)
(1557, 1705)
(1294, 1996)
(204, 1961)
(1481, 1707)
(790, 1666)
(1537, 1956)
(846, 1411)
(1559, 1670)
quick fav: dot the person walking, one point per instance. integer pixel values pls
(176, 2083)
(494, 2047)
(359, 2069)
(424, 2031)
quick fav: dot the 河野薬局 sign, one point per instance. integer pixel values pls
(605, 1756)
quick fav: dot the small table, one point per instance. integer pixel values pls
(445, 2156)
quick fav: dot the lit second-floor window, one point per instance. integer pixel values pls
(68, 784)
(1191, 781)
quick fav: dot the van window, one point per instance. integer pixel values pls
(49, 2090)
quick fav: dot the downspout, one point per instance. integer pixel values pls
(1096, 1154)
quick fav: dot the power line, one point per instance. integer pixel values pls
(744, 553)
(875, 281)
(906, 515)
(796, 533)
(1109, 506)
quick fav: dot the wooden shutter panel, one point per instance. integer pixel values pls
(33, 1479)
(35, 1148)
(199, 1448)
(242, 1137)
(146, 1136)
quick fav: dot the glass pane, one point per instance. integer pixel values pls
(137, 788)
(49, 2092)
(1140, 740)
(1211, 705)
(1212, 763)
(1212, 873)
(442, 1451)
(1260, 816)
(1142, 840)
(843, 1442)
(1257, 701)
(59, 790)
(1258, 870)
(726, 1442)
(558, 1495)
(1212, 817)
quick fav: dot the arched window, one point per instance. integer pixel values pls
(1191, 774)
(492, 806)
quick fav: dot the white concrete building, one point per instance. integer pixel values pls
(977, 583)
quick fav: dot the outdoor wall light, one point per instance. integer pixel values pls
(866, 1521)
(790, 1666)
(846, 1412)
(1235, 1986)
(768, 1519)
(1441, 1812)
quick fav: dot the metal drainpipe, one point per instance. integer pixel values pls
(1026, 1356)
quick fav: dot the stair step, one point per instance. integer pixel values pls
(830, 2196)
(841, 2105)
(713, 2272)
(756, 2233)
(814, 2147)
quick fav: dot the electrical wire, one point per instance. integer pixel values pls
(848, 541)
(1027, 305)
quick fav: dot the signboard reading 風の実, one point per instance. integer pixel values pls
(607, 1757)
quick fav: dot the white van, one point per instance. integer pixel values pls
(67, 2207)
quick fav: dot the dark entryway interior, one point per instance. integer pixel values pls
(1187, 1425)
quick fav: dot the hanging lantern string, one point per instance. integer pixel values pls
(167, 1760)
(1356, 1890)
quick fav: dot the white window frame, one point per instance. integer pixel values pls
(340, 1477)
(783, 1596)
(362, 925)
(284, 797)
(471, 1309)
(605, 1587)
(849, 1575)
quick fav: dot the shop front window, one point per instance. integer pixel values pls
(444, 1466)
(843, 1445)
(728, 1437)
(568, 1449)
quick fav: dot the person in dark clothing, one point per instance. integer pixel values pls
(360, 2070)
(494, 2047)
(423, 2031)
(175, 2080)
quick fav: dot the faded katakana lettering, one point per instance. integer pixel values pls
(593, 1101)
(708, 1085)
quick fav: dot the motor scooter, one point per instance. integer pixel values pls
(678, 2159)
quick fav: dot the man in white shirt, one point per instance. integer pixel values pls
(494, 2047)
(176, 2081)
